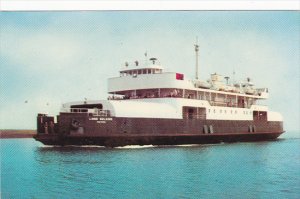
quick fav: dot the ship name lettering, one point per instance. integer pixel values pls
(107, 119)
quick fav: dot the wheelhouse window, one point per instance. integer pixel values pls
(83, 108)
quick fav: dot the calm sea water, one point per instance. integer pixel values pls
(239, 170)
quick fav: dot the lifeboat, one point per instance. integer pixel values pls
(201, 84)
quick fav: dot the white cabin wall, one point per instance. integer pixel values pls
(228, 113)
(147, 81)
(274, 116)
(172, 108)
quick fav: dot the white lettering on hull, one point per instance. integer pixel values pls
(106, 119)
(100, 120)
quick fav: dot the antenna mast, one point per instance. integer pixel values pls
(196, 50)
(146, 57)
(233, 74)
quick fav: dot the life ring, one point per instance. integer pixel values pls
(75, 124)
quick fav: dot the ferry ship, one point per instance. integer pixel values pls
(147, 106)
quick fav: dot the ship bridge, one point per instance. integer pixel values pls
(153, 68)
(134, 79)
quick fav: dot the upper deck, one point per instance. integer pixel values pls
(150, 81)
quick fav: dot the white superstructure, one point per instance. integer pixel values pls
(149, 92)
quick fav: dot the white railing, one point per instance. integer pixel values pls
(94, 111)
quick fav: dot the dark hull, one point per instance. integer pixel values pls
(112, 132)
(114, 141)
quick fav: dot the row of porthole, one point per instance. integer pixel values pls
(231, 111)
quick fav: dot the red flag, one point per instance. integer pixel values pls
(179, 76)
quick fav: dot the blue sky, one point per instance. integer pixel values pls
(55, 57)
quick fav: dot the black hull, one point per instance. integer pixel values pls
(114, 141)
(113, 131)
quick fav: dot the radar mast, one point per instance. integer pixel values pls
(197, 52)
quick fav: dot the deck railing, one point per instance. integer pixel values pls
(222, 103)
(93, 111)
